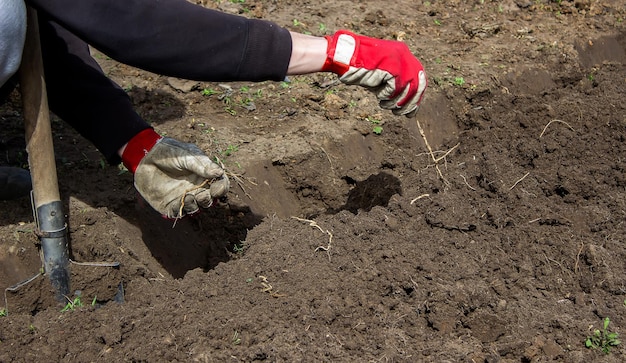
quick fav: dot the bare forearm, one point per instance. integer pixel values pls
(308, 54)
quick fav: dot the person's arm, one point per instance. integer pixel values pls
(81, 95)
(177, 38)
(308, 54)
(386, 67)
(175, 178)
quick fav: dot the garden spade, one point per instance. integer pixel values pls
(50, 219)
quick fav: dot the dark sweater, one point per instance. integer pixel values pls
(169, 37)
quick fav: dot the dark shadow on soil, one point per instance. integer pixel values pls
(200, 241)
(156, 106)
(376, 190)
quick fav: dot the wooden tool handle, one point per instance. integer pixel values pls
(37, 117)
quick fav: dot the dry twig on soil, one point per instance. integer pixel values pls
(549, 123)
(432, 154)
(268, 288)
(330, 235)
(519, 180)
(419, 197)
(239, 179)
(466, 183)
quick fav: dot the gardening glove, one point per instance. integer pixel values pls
(175, 178)
(386, 67)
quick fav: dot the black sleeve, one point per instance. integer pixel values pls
(176, 38)
(80, 93)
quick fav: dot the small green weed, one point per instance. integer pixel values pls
(238, 248)
(72, 304)
(459, 81)
(236, 338)
(3, 312)
(209, 92)
(603, 339)
(230, 149)
(377, 129)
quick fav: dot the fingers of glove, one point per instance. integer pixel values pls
(180, 158)
(375, 78)
(395, 103)
(408, 101)
(204, 198)
(421, 88)
(412, 113)
(201, 165)
(190, 206)
(219, 188)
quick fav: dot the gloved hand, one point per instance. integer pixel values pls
(386, 67)
(175, 178)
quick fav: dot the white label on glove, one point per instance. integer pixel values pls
(346, 45)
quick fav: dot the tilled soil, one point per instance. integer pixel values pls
(489, 229)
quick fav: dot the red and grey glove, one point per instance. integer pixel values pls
(170, 174)
(386, 67)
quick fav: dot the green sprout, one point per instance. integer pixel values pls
(377, 129)
(72, 304)
(459, 81)
(238, 248)
(603, 339)
(208, 92)
(437, 22)
(4, 312)
(236, 338)
(230, 149)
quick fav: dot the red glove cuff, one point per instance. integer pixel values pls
(138, 147)
(332, 64)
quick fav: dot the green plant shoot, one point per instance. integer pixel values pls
(603, 339)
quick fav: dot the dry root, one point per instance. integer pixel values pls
(330, 235)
